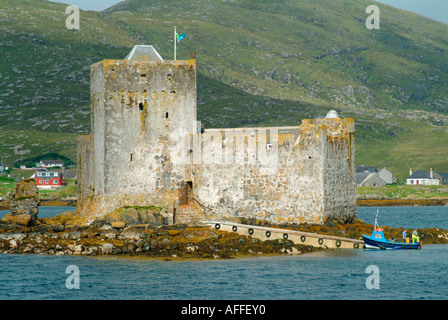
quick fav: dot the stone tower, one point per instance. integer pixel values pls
(136, 104)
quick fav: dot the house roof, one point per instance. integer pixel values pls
(444, 175)
(384, 169)
(366, 169)
(420, 174)
(70, 173)
(373, 178)
(361, 176)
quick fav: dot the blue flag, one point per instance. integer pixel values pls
(181, 37)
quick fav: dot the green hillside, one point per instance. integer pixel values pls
(259, 63)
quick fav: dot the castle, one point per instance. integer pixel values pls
(147, 149)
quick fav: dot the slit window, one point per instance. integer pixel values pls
(140, 106)
(166, 115)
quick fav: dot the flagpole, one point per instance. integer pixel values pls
(175, 43)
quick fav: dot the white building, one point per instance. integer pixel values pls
(422, 177)
(50, 163)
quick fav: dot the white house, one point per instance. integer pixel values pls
(422, 177)
(51, 163)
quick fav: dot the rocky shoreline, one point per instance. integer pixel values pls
(142, 231)
(59, 236)
(53, 236)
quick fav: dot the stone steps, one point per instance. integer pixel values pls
(190, 215)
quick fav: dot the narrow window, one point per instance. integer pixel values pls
(166, 115)
(131, 156)
(140, 106)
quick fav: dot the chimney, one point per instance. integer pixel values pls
(431, 174)
(410, 171)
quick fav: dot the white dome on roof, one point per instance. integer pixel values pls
(332, 114)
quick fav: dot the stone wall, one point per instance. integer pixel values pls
(85, 171)
(311, 181)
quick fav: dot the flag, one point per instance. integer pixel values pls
(180, 37)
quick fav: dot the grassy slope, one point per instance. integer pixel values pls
(259, 63)
(404, 192)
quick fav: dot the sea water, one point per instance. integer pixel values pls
(339, 274)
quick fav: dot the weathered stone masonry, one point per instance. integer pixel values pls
(139, 108)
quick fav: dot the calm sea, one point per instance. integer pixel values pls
(342, 274)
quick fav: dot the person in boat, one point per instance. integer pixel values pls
(415, 237)
(404, 235)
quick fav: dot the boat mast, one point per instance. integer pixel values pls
(376, 219)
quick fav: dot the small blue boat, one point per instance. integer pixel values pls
(378, 241)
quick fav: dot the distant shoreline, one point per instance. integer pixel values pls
(4, 205)
(400, 202)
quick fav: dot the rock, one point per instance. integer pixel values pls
(150, 215)
(57, 228)
(98, 223)
(75, 235)
(107, 248)
(294, 250)
(191, 248)
(19, 219)
(129, 247)
(13, 244)
(165, 243)
(118, 224)
(110, 234)
(25, 200)
(92, 251)
(131, 234)
(78, 249)
(154, 244)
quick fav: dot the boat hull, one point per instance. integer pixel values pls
(372, 243)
